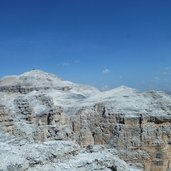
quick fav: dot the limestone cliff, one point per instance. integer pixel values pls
(47, 123)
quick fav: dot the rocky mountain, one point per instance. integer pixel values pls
(49, 124)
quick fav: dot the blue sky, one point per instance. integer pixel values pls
(106, 43)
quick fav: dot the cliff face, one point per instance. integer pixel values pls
(48, 122)
(141, 140)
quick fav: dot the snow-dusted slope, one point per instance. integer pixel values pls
(38, 78)
(38, 110)
(68, 94)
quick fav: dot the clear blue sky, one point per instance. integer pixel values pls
(105, 43)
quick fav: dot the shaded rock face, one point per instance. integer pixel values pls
(99, 131)
(141, 139)
(5, 119)
(28, 89)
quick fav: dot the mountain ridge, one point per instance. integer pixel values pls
(48, 122)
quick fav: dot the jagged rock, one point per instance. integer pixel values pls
(47, 123)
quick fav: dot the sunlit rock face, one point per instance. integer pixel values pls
(47, 123)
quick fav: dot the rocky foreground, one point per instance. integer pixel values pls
(49, 124)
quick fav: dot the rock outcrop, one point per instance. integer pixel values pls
(47, 123)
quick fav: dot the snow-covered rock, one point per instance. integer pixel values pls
(47, 123)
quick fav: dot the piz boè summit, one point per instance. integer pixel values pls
(49, 124)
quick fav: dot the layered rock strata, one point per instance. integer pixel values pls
(76, 127)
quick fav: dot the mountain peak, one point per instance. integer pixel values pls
(39, 74)
(33, 78)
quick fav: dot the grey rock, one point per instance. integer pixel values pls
(47, 123)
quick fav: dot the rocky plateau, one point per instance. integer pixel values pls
(49, 124)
